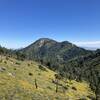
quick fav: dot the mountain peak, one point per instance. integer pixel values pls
(44, 41)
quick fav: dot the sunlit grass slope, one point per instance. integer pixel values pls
(17, 82)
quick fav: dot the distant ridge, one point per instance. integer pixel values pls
(90, 48)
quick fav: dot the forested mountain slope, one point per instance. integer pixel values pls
(52, 53)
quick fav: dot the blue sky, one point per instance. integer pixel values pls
(24, 21)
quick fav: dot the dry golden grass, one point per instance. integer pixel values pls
(17, 84)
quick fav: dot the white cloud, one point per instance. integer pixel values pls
(94, 44)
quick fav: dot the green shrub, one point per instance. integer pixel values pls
(74, 88)
(42, 68)
(28, 64)
(5, 62)
(49, 87)
(57, 76)
(14, 68)
(17, 63)
(39, 73)
(1, 61)
(7, 58)
(30, 74)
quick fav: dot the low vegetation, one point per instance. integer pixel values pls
(23, 82)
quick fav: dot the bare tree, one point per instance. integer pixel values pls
(36, 83)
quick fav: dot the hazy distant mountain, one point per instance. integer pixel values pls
(91, 48)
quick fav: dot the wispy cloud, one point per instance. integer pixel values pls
(94, 44)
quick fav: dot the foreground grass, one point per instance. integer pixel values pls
(17, 82)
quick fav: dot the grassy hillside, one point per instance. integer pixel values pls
(18, 80)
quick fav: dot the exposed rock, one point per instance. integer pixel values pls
(2, 69)
(11, 74)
